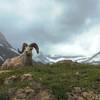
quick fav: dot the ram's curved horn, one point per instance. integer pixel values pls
(23, 48)
(35, 46)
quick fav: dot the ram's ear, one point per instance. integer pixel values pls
(35, 46)
(23, 48)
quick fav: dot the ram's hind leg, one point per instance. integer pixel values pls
(5, 64)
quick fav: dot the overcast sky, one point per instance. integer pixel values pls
(67, 27)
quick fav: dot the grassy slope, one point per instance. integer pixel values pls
(59, 77)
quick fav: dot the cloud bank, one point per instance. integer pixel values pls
(67, 27)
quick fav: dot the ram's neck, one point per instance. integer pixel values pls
(27, 60)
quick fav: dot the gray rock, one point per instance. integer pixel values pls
(27, 77)
(10, 80)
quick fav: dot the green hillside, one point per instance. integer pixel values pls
(59, 77)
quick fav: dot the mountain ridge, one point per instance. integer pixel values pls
(95, 59)
(6, 50)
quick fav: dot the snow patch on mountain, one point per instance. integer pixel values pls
(14, 50)
(95, 59)
(1, 58)
(1, 45)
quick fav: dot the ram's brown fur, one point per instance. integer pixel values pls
(24, 58)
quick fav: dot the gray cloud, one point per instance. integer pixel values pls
(79, 12)
(49, 22)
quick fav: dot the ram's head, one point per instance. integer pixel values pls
(28, 48)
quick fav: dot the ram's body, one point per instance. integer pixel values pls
(25, 58)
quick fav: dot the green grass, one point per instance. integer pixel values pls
(58, 77)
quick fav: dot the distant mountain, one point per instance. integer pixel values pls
(56, 58)
(4, 42)
(95, 59)
(6, 50)
(41, 58)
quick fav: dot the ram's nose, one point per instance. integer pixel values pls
(28, 53)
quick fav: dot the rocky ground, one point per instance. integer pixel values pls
(82, 94)
(36, 91)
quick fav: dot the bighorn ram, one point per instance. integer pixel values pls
(25, 57)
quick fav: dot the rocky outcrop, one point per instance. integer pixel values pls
(28, 93)
(82, 94)
(26, 77)
(65, 62)
(13, 79)
(35, 91)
